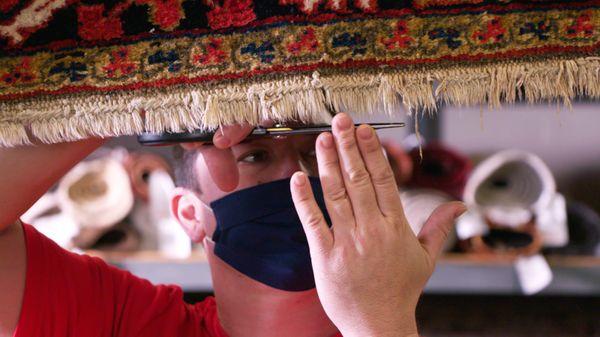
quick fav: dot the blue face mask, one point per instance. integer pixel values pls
(260, 235)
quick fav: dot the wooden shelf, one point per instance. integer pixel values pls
(455, 273)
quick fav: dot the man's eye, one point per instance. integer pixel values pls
(254, 157)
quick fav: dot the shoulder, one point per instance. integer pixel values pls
(89, 296)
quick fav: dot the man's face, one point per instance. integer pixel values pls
(261, 161)
(258, 161)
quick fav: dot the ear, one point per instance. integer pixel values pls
(187, 208)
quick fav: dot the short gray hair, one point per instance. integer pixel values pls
(185, 168)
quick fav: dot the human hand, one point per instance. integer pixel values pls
(219, 158)
(369, 267)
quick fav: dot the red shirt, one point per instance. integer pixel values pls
(67, 294)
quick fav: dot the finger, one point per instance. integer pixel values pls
(356, 178)
(221, 166)
(332, 182)
(436, 229)
(382, 177)
(230, 135)
(318, 234)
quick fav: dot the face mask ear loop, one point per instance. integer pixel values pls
(209, 209)
(303, 167)
(208, 242)
(208, 245)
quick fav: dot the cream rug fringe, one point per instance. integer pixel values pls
(301, 98)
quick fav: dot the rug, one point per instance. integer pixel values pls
(71, 69)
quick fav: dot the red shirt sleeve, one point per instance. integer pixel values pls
(67, 294)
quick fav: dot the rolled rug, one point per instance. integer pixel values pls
(47, 218)
(120, 237)
(439, 167)
(514, 210)
(173, 241)
(418, 204)
(584, 231)
(96, 194)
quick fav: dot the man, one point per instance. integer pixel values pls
(369, 268)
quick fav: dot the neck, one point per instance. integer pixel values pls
(295, 314)
(247, 307)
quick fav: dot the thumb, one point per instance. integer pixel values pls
(318, 234)
(221, 166)
(436, 229)
(230, 135)
(220, 160)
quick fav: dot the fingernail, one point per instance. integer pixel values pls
(300, 179)
(365, 132)
(344, 122)
(221, 140)
(327, 140)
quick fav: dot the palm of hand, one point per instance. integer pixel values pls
(369, 267)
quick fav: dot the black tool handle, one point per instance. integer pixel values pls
(167, 138)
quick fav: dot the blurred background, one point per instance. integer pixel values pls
(525, 261)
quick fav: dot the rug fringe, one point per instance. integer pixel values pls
(12, 134)
(304, 98)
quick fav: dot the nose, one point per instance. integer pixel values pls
(289, 158)
(290, 163)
